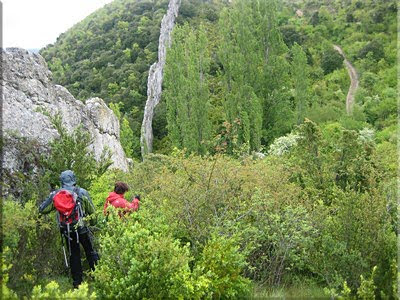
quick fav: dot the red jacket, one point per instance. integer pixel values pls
(118, 201)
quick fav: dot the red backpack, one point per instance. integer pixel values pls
(68, 207)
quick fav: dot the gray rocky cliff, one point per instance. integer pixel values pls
(28, 90)
(154, 82)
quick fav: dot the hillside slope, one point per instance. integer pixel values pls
(109, 54)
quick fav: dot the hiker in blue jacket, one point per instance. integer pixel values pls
(72, 204)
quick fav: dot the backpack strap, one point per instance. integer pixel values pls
(79, 200)
(77, 191)
(57, 212)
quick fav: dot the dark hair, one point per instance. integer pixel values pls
(121, 187)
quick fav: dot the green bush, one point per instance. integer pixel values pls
(375, 47)
(34, 243)
(367, 287)
(198, 194)
(5, 291)
(282, 243)
(71, 152)
(140, 259)
(218, 272)
(323, 211)
(52, 291)
(331, 60)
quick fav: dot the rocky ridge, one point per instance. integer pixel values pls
(28, 91)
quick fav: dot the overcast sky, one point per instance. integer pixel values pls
(32, 24)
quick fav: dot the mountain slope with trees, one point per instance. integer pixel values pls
(109, 53)
(314, 215)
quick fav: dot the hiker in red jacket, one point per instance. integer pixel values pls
(116, 199)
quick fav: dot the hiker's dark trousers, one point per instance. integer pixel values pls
(75, 255)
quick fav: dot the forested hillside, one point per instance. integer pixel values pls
(264, 183)
(284, 55)
(108, 55)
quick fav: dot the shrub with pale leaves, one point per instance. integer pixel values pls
(283, 144)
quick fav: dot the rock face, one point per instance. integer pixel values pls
(154, 81)
(28, 91)
(354, 81)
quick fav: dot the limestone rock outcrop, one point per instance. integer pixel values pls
(28, 92)
(155, 78)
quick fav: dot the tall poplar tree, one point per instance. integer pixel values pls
(300, 74)
(254, 71)
(240, 58)
(186, 89)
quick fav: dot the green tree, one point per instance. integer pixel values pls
(71, 151)
(300, 74)
(186, 89)
(127, 138)
(254, 71)
(331, 60)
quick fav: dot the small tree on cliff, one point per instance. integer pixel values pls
(71, 152)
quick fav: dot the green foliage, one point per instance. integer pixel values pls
(322, 216)
(31, 241)
(141, 259)
(5, 291)
(367, 288)
(27, 179)
(109, 53)
(346, 293)
(71, 152)
(375, 47)
(341, 173)
(52, 291)
(218, 271)
(284, 238)
(246, 81)
(254, 71)
(331, 60)
(127, 137)
(291, 35)
(186, 90)
(300, 75)
(319, 210)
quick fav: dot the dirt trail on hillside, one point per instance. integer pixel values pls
(354, 81)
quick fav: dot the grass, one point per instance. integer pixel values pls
(292, 292)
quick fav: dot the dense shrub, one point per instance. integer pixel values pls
(331, 60)
(34, 243)
(375, 47)
(141, 259)
(291, 35)
(290, 212)
(71, 152)
(321, 210)
(218, 272)
(203, 193)
(52, 291)
(5, 267)
(283, 240)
